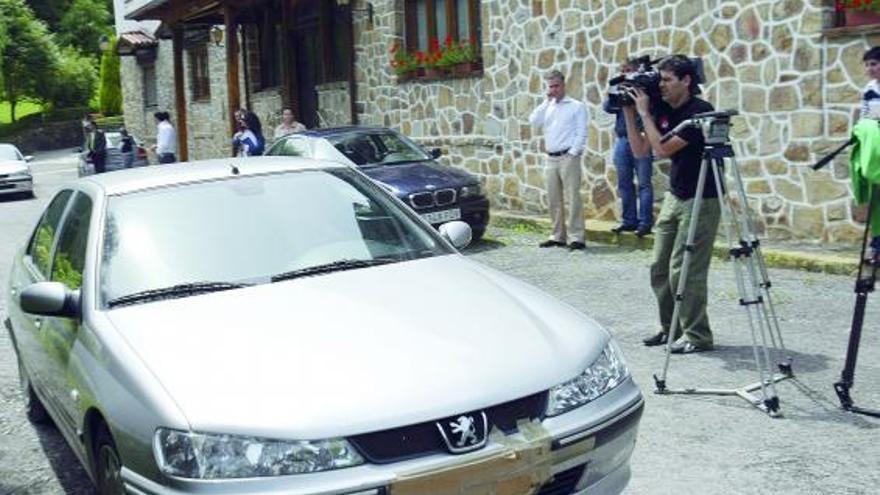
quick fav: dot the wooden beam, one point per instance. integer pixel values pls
(180, 93)
(232, 66)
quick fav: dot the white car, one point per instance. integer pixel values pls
(15, 171)
(284, 325)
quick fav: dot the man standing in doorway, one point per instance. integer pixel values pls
(564, 122)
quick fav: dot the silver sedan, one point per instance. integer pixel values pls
(285, 325)
(15, 171)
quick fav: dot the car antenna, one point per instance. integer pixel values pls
(234, 169)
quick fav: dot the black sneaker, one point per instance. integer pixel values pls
(551, 243)
(624, 228)
(643, 231)
(659, 339)
(577, 246)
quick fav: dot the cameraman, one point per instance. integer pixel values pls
(678, 87)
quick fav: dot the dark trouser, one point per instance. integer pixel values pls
(629, 167)
(100, 163)
(670, 238)
(167, 158)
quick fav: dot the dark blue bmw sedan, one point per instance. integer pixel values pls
(439, 193)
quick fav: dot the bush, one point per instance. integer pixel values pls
(110, 92)
(76, 80)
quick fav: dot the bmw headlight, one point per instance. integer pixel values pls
(608, 371)
(470, 191)
(207, 456)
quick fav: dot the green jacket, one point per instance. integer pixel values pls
(864, 168)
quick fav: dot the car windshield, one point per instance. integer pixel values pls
(113, 139)
(255, 229)
(8, 152)
(377, 148)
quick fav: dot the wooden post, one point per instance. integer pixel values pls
(232, 66)
(180, 93)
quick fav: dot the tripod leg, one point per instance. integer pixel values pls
(750, 296)
(863, 287)
(660, 381)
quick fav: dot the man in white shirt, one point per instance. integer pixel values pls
(166, 138)
(564, 122)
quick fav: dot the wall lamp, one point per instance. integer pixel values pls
(216, 34)
(365, 10)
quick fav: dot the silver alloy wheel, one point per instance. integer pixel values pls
(109, 471)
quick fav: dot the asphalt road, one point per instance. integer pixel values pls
(687, 444)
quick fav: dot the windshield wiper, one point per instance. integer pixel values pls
(332, 267)
(175, 291)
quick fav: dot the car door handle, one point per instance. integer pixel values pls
(13, 290)
(38, 322)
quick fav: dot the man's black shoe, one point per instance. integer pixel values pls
(688, 347)
(623, 228)
(551, 243)
(643, 231)
(577, 246)
(658, 339)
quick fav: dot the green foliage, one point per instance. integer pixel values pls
(49, 11)
(44, 117)
(25, 63)
(83, 24)
(23, 109)
(63, 271)
(79, 79)
(110, 91)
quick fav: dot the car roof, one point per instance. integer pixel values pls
(333, 131)
(138, 178)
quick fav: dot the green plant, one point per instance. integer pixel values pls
(401, 61)
(110, 91)
(77, 80)
(871, 5)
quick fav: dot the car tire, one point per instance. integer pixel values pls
(107, 464)
(34, 408)
(476, 235)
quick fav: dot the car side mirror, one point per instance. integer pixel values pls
(50, 299)
(458, 233)
(436, 153)
(28, 158)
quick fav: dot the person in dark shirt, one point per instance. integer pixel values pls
(637, 210)
(678, 88)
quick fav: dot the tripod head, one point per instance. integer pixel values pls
(715, 126)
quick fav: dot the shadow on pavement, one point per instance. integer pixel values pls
(70, 473)
(741, 357)
(824, 407)
(11, 198)
(484, 245)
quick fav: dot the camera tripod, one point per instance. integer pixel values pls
(750, 270)
(864, 286)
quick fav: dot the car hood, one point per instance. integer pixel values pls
(412, 177)
(357, 351)
(12, 166)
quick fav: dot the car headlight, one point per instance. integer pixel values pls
(608, 371)
(470, 191)
(209, 456)
(21, 174)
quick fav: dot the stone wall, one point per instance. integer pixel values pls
(795, 87)
(334, 104)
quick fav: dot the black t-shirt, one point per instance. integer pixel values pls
(685, 170)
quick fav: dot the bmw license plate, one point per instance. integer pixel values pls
(442, 216)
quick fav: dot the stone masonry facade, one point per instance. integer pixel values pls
(796, 88)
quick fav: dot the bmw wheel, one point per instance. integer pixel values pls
(108, 466)
(34, 409)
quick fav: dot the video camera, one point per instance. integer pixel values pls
(645, 77)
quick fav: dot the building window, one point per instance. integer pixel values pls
(149, 84)
(198, 71)
(854, 13)
(428, 20)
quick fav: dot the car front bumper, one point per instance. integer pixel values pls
(602, 434)
(12, 185)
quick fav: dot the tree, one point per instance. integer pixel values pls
(110, 91)
(29, 63)
(49, 11)
(78, 79)
(83, 24)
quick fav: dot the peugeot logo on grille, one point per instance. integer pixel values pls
(464, 433)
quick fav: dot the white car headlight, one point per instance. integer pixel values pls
(470, 191)
(608, 371)
(20, 174)
(208, 456)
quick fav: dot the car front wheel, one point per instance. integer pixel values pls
(108, 466)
